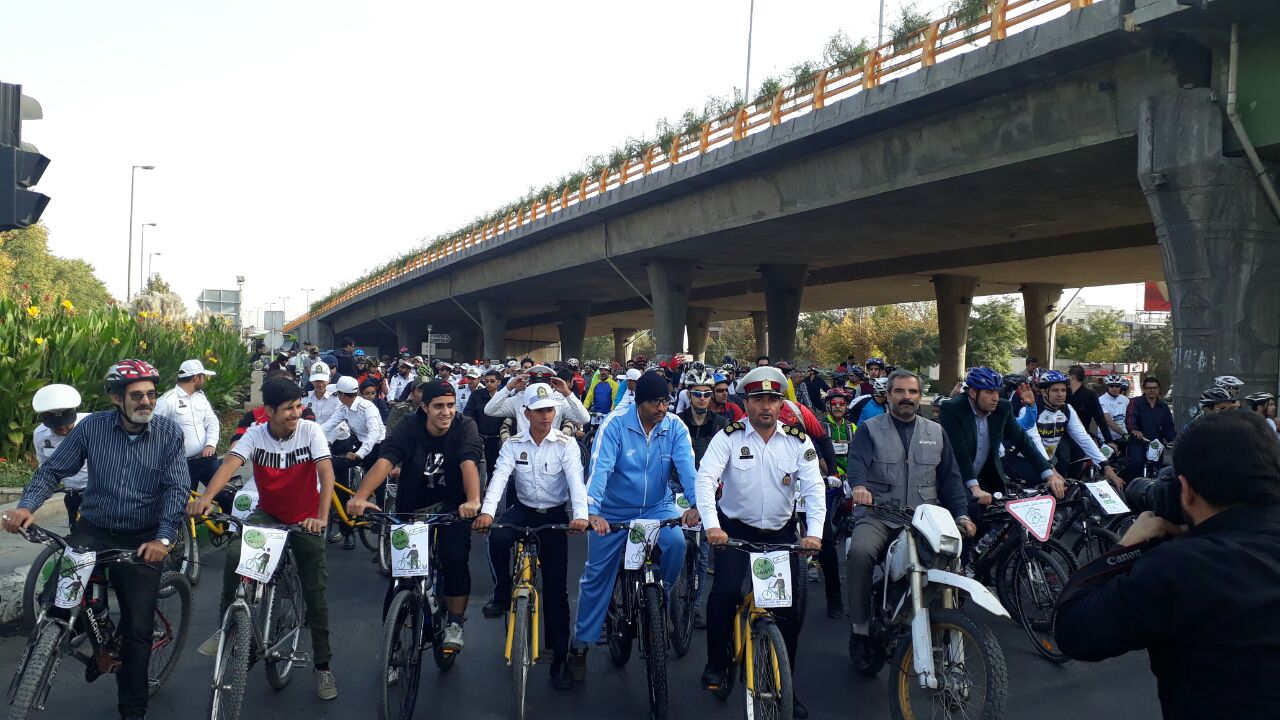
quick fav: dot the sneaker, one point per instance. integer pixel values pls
(493, 609)
(835, 608)
(713, 679)
(699, 622)
(560, 676)
(209, 647)
(453, 637)
(326, 686)
(578, 664)
(349, 541)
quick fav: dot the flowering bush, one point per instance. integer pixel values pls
(54, 342)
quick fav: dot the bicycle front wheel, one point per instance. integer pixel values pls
(231, 672)
(285, 598)
(35, 671)
(683, 605)
(521, 655)
(400, 658)
(771, 695)
(655, 650)
(1094, 543)
(38, 576)
(617, 628)
(1038, 580)
(169, 630)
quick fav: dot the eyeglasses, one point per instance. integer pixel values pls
(137, 396)
(658, 402)
(700, 393)
(722, 391)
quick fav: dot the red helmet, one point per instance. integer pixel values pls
(839, 393)
(125, 372)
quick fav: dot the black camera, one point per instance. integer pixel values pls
(1161, 495)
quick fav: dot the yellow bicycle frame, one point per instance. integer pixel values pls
(524, 587)
(213, 527)
(343, 517)
(744, 649)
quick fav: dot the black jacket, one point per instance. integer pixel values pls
(486, 425)
(1085, 402)
(956, 417)
(1205, 606)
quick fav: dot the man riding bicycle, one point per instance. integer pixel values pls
(137, 487)
(636, 449)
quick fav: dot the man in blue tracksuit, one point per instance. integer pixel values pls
(635, 450)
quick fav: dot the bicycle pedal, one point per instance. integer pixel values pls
(300, 659)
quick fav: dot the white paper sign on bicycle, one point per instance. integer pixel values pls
(260, 551)
(244, 503)
(640, 533)
(73, 577)
(410, 545)
(771, 579)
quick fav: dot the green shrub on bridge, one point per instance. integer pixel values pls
(52, 341)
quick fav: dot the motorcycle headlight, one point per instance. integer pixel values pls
(949, 546)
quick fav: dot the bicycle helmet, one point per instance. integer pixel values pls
(858, 373)
(573, 363)
(1113, 379)
(1259, 399)
(784, 366)
(56, 405)
(874, 361)
(359, 353)
(1012, 382)
(890, 368)
(1052, 377)
(981, 378)
(839, 378)
(839, 393)
(880, 386)
(126, 372)
(697, 377)
(1213, 396)
(1228, 382)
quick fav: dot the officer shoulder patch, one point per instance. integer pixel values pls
(731, 428)
(810, 455)
(794, 432)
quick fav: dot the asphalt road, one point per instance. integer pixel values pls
(476, 687)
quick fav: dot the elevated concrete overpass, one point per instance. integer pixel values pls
(1086, 150)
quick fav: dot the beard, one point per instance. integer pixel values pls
(140, 416)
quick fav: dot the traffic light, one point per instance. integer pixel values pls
(21, 165)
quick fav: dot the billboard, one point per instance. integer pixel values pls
(221, 302)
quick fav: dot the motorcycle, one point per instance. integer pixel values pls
(943, 662)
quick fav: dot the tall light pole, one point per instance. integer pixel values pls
(128, 285)
(149, 265)
(240, 301)
(308, 292)
(751, 22)
(880, 35)
(282, 307)
(142, 252)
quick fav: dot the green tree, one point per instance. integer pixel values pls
(1100, 338)
(29, 272)
(996, 332)
(76, 282)
(156, 284)
(1153, 346)
(737, 340)
(599, 347)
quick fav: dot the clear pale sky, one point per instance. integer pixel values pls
(299, 144)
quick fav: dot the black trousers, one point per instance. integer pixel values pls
(553, 555)
(492, 444)
(71, 500)
(202, 470)
(136, 588)
(453, 549)
(726, 592)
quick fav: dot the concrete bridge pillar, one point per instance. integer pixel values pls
(760, 324)
(1221, 246)
(622, 344)
(408, 334)
(1039, 307)
(698, 324)
(493, 318)
(783, 290)
(321, 333)
(955, 299)
(469, 343)
(573, 327)
(669, 283)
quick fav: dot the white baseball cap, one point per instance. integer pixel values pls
(347, 384)
(540, 396)
(191, 368)
(633, 374)
(319, 371)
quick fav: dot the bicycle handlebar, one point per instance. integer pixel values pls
(42, 536)
(240, 524)
(530, 530)
(398, 518)
(764, 547)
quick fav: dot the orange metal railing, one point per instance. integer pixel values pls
(940, 39)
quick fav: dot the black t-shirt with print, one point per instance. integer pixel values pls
(431, 466)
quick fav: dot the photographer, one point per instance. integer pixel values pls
(1205, 605)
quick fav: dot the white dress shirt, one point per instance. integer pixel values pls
(506, 403)
(762, 481)
(547, 475)
(194, 415)
(322, 407)
(364, 421)
(396, 385)
(46, 441)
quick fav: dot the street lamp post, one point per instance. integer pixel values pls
(751, 21)
(282, 307)
(149, 265)
(308, 292)
(128, 286)
(142, 252)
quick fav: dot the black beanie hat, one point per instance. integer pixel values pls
(652, 386)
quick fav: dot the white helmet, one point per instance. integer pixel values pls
(52, 398)
(1113, 379)
(1228, 381)
(694, 378)
(880, 386)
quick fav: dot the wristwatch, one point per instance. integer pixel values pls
(165, 541)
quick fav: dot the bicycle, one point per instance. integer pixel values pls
(262, 623)
(523, 635)
(759, 652)
(1086, 516)
(415, 618)
(340, 522)
(686, 592)
(84, 629)
(638, 609)
(384, 530)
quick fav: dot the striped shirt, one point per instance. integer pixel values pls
(133, 486)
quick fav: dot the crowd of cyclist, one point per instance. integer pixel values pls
(582, 443)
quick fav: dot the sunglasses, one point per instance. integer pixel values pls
(700, 393)
(137, 396)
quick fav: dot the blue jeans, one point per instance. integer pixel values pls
(604, 555)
